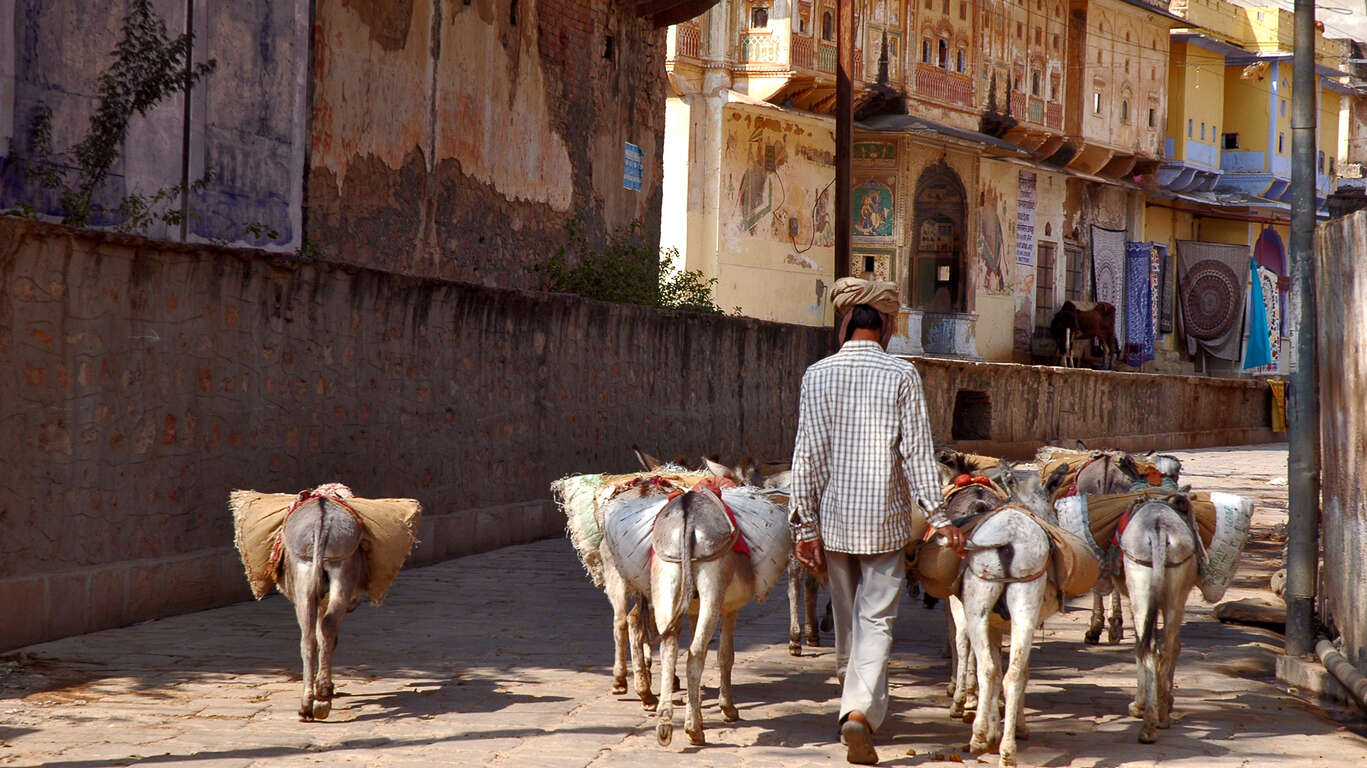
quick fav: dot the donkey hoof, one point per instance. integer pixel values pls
(306, 714)
(956, 711)
(321, 709)
(1147, 736)
(794, 648)
(619, 687)
(649, 701)
(977, 747)
(1007, 761)
(696, 738)
(1136, 710)
(729, 713)
(1093, 636)
(814, 639)
(664, 733)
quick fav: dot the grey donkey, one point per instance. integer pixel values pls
(323, 572)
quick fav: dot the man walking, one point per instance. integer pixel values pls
(862, 466)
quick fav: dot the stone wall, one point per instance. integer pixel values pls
(144, 381)
(455, 139)
(1342, 284)
(1010, 410)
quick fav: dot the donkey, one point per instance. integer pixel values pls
(1169, 469)
(693, 542)
(1106, 472)
(323, 572)
(803, 585)
(1005, 563)
(1159, 548)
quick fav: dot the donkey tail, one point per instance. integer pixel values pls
(685, 592)
(320, 544)
(1158, 565)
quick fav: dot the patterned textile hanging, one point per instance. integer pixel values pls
(1212, 283)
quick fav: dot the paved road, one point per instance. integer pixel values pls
(503, 659)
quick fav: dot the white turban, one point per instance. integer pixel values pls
(852, 291)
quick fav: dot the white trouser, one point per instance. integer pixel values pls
(865, 593)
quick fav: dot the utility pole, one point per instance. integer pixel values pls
(844, 132)
(1303, 464)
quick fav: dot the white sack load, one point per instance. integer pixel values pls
(629, 523)
(582, 496)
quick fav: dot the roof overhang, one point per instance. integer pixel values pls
(923, 127)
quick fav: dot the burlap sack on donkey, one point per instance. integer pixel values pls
(389, 529)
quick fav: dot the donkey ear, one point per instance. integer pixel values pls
(1081, 446)
(1006, 474)
(1150, 454)
(717, 468)
(648, 463)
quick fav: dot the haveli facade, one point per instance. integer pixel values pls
(1008, 155)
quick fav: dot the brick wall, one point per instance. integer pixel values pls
(146, 380)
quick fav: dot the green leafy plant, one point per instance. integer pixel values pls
(626, 270)
(148, 67)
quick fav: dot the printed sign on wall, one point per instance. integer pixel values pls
(631, 168)
(1025, 220)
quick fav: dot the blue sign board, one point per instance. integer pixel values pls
(631, 169)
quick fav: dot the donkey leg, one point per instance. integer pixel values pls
(794, 607)
(306, 612)
(1167, 656)
(1093, 635)
(1115, 626)
(978, 599)
(1025, 600)
(669, 656)
(640, 655)
(615, 588)
(810, 586)
(341, 584)
(726, 657)
(959, 684)
(711, 588)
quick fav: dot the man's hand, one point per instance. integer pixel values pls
(809, 554)
(954, 538)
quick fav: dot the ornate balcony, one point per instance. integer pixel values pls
(803, 55)
(1053, 115)
(825, 58)
(759, 48)
(942, 85)
(687, 41)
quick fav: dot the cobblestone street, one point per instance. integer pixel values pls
(504, 659)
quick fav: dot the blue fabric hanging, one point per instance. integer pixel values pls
(1259, 349)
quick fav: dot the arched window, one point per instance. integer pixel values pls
(959, 65)
(925, 51)
(828, 26)
(1034, 83)
(1125, 112)
(759, 17)
(944, 55)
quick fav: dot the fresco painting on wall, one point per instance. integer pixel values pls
(873, 207)
(992, 277)
(823, 218)
(763, 157)
(875, 150)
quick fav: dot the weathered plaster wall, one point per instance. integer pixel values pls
(247, 119)
(1342, 246)
(776, 245)
(146, 380)
(456, 139)
(1130, 411)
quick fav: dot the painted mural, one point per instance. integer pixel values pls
(873, 207)
(782, 189)
(877, 261)
(991, 268)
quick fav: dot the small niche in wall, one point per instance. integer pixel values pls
(972, 415)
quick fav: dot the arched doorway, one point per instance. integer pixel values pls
(936, 279)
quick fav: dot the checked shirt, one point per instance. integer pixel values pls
(863, 453)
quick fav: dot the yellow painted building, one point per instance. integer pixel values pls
(978, 197)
